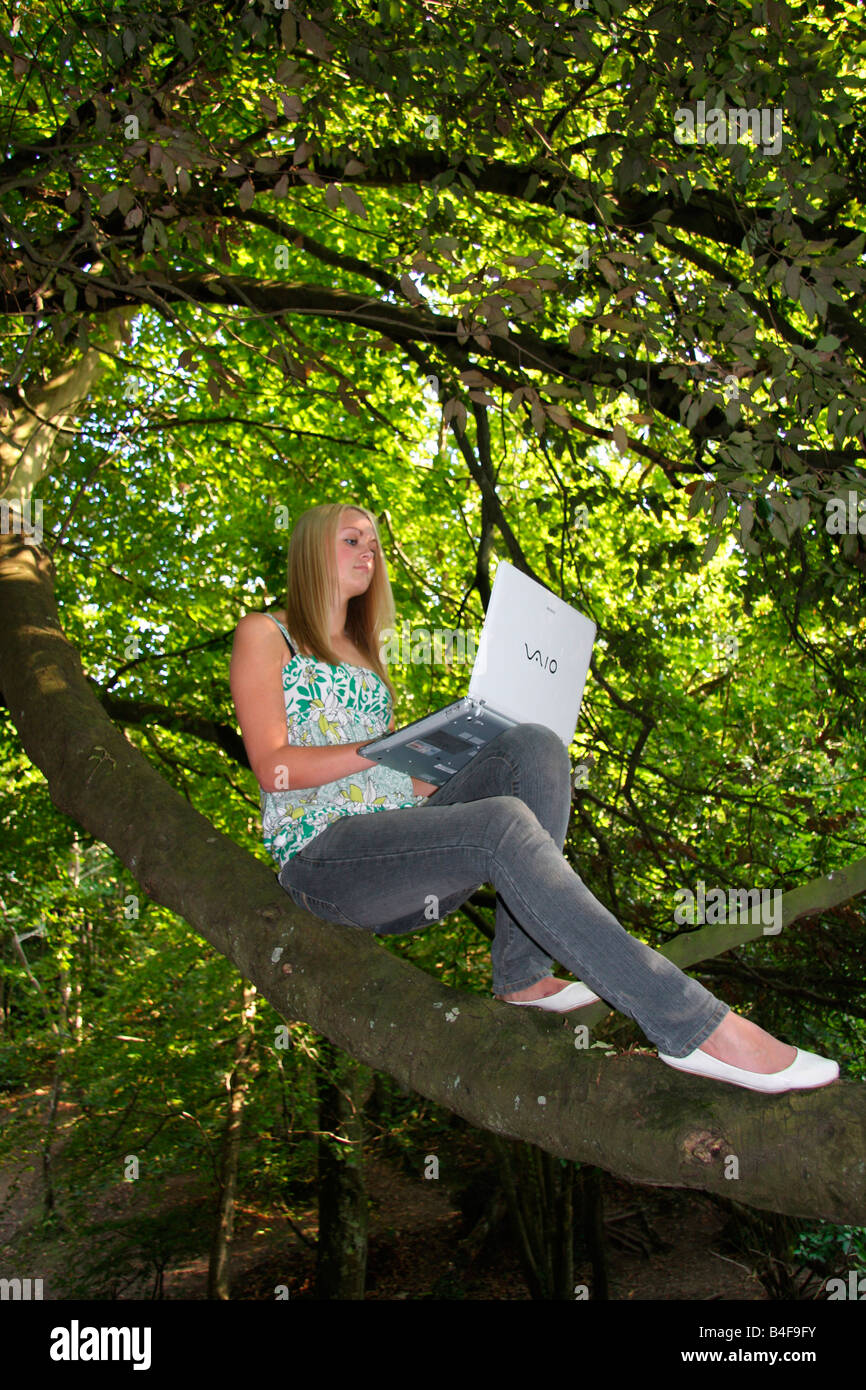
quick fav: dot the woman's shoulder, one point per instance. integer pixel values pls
(262, 621)
(258, 632)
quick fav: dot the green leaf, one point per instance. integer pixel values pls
(712, 545)
(353, 202)
(792, 282)
(697, 498)
(184, 39)
(288, 31)
(620, 439)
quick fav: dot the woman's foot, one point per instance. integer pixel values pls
(540, 990)
(742, 1054)
(555, 996)
(736, 1041)
(743, 1044)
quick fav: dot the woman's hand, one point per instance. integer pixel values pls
(420, 788)
(423, 788)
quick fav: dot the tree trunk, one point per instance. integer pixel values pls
(60, 1034)
(341, 1252)
(513, 1072)
(539, 1195)
(245, 1068)
(36, 438)
(592, 1220)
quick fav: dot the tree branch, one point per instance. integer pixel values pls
(488, 1063)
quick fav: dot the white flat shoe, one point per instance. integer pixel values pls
(574, 996)
(807, 1071)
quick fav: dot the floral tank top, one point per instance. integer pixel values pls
(324, 705)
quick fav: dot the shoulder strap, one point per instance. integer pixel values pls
(283, 630)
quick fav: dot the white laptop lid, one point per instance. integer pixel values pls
(533, 654)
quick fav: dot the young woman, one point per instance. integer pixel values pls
(366, 846)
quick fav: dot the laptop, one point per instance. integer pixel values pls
(530, 668)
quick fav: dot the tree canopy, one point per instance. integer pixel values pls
(500, 273)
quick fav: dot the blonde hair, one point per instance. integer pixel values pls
(311, 584)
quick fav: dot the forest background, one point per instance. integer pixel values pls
(491, 271)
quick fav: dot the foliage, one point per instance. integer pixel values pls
(341, 254)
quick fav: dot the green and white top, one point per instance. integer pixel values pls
(324, 705)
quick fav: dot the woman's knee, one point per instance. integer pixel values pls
(501, 814)
(539, 745)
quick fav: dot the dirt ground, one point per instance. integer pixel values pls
(661, 1244)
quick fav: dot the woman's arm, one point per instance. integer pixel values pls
(258, 656)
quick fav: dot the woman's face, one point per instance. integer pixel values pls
(357, 554)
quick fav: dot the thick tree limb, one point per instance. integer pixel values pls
(222, 736)
(521, 351)
(506, 1072)
(30, 440)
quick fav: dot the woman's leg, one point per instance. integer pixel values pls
(405, 868)
(531, 763)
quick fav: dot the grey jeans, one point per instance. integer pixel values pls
(501, 820)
